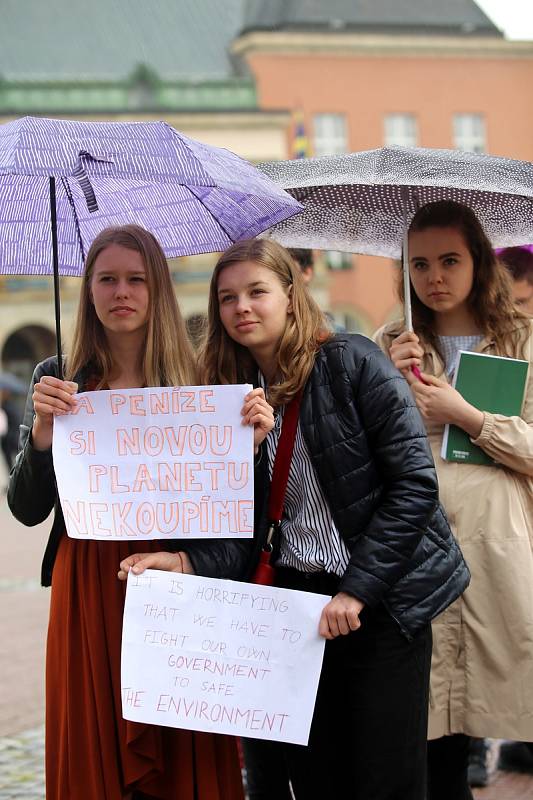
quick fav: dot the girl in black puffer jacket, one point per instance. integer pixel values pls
(361, 522)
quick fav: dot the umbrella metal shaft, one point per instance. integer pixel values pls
(55, 263)
(408, 316)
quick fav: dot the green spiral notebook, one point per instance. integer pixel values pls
(490, 383)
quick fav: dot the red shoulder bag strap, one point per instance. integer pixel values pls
(280, 474)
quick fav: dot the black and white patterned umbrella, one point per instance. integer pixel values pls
(357, 202)
(363, 202)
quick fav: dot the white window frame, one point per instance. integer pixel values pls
(330, 134)
(470, 132)
(337, 260)
(400, 129)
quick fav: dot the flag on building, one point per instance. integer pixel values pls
(300, 142)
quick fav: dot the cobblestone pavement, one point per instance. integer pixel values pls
(23, 619)
(22, 772)
(22, 766)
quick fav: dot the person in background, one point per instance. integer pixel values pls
(305, 260)
(195, 325)
(3, 428)
(9, 441)
(129, 333)
(482, 670)
(519, 262)
(513, 756)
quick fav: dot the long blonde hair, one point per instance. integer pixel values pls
(225, 361)
(167, 358)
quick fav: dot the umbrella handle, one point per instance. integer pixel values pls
(416, 372)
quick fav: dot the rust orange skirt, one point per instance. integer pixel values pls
(92, 753)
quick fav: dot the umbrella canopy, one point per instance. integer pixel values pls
(193, 197)
(62, 182)
(361, 202)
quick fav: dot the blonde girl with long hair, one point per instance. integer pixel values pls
(361, 522)
(129, 333)
(482, 671)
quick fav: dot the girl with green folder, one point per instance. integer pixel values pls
(482, 669)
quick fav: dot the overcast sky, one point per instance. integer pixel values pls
(514, 17)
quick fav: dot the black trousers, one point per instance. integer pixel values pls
(448, 768)
(369, 729)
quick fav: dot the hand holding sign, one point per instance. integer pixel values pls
(51, 397)
(168, 562)
(257, 412)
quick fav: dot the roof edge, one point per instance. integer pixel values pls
(367, 43)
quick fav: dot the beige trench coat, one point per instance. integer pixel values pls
(482, 667)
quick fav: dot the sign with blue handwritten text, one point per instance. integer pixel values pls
(221, 656)
(156, 463)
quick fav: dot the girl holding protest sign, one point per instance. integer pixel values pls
(361, 522)
(129, 333)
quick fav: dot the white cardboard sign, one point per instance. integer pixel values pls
(156, 463)
(221, 656)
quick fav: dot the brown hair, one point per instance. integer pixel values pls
(490, 300)
(519, 262)
(225, 361)
(167, 358)
(303, 257)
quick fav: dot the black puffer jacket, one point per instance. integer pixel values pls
(32, 495)
(369, 448)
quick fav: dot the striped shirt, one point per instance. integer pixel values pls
(310, 542)
(450, 346)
